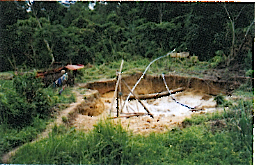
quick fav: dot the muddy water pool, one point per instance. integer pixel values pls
(167, 113)
(166, 106)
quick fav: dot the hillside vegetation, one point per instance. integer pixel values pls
(220, 137)
(73, 33)
(38, 35)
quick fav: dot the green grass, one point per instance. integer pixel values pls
(166, 65)
(11, 138)
(5, 85)
(67, 96)
(111, 144)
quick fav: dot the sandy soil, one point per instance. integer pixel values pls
(167, 113)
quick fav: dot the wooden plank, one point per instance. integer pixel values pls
(127, 116)
(196, 110)
(134, 113)
(157, 95)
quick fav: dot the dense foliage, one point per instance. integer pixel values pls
(74, 33)
(25, 108)
(26, 100)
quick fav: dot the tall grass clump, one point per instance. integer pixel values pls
(236, 123)
(106, 144)
(241, 126)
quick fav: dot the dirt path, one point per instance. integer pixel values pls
(79, 98)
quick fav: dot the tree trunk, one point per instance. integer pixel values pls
(161, 7)
(245, 36)
(233, 36)
(45, 41)
(50, 50)
(233, 54)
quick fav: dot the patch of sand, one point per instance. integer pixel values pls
(167, 113)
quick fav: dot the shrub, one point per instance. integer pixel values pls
(248, 61)
(15, 111)
(26, 100)
(107, 143)
(219, 99)
(216, 60)
(250, 73)
(31, 88)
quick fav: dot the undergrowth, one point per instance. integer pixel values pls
(26, 108)
(11, 137)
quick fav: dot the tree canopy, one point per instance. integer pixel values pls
(53, 32)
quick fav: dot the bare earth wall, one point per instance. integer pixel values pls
(154, 84)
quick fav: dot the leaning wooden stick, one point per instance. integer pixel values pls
(168, 54)
(138, 99)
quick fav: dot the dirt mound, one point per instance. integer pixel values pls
(92, 107)
(92, 104)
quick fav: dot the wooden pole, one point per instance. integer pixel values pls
(117, 99)
(116, 87)
(138, 99)
(120, 92)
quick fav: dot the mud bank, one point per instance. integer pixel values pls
(154, 84)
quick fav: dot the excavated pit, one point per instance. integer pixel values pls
(198, 93)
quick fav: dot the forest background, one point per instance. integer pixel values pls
(37, 34)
